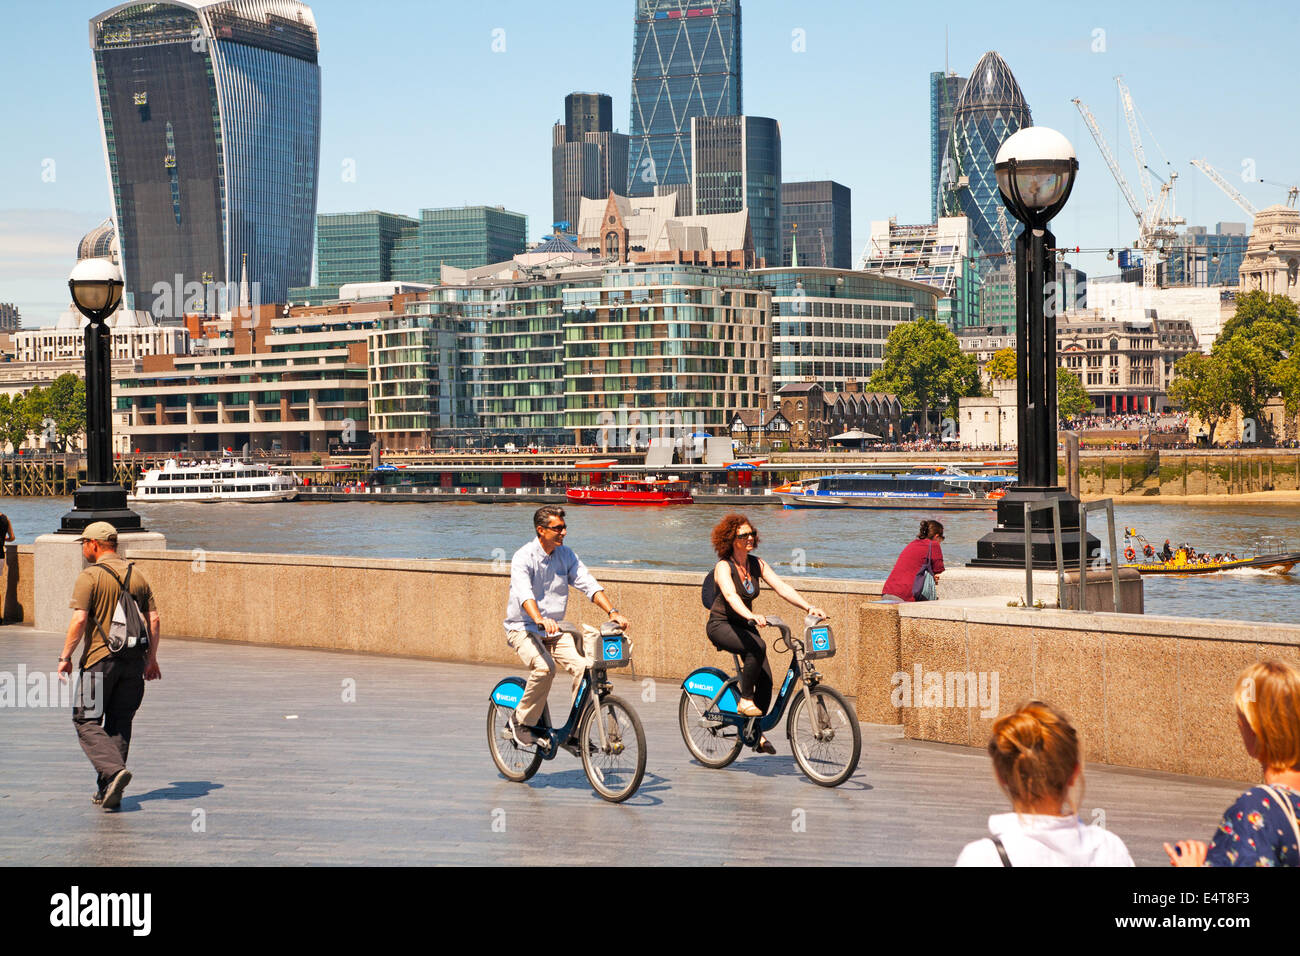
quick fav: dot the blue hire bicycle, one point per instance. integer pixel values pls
(822, 729)
(602, 729)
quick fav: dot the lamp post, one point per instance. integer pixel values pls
(96, 286)
(1035, 168)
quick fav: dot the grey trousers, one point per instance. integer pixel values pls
(104, 724)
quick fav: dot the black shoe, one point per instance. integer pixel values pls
(97, 797)
(764, 746)
(113, 792)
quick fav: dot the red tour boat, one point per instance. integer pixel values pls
(634, 491)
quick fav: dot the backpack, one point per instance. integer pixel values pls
(708, 590)
(128, 632)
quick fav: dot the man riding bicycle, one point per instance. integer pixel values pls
(541, 573)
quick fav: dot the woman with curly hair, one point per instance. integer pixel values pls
(1263, 827)
(733, 625)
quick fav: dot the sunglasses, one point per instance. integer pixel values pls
(747, 534)
(557, 528)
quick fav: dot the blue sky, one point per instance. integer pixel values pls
(416, 98)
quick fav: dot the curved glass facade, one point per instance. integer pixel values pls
(211, 122)
(990, 109)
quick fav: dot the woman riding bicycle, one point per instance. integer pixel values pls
(733, 625)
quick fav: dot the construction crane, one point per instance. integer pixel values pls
(821, 236)
(1217, 178)
(1291, 191)
(1156, 220)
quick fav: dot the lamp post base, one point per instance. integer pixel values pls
(100, 502)
(1004, 546)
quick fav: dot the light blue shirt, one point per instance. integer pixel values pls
(546, 579)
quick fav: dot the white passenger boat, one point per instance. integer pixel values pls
(927, 487)
(226, 480)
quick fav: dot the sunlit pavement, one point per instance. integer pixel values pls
(251, 755)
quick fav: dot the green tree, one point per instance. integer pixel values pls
(1200, 386)
(36, 408)
(1002, 365)
(67, 407)
(1072, 399)
(1271, 321)
(13, 420)
(926, 368)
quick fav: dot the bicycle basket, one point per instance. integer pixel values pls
(818, 642)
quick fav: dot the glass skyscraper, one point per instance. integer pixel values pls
(588, 159)
(737, 165)
(823, 211)
(211, 122)
(470, 236)
(945, 91)
(685, 63)
(990, 109)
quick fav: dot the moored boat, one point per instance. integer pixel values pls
(633, 491)
(229, 479)
(944, 487)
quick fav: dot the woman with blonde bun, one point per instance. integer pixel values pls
(1263, 827)
(1036, 761)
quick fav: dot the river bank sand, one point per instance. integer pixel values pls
(1250, 498)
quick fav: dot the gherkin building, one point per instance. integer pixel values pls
(990, 109)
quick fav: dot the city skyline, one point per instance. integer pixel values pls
(811, 75)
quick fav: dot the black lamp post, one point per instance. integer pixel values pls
(1036, 168)
(96, 286)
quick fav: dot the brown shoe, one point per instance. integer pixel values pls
(765, 746)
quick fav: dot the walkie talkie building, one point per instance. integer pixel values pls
(211, 126)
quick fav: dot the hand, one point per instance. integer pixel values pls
(1187, 853)
(760, 620)
(550, 627)
(620, 620)
(817, 612)
(151, 671)
(65, 668)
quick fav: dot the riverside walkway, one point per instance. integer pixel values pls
(253, 756)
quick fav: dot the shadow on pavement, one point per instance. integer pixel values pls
(176, 790)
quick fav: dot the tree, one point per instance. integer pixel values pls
(1002, 365)
(1200, 387)
(13, 421)
(1072, 399)
(67, 407)
(1271, 321)
(926, 368)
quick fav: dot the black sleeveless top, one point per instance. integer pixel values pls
(721, 610)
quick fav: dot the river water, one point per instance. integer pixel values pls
(827, 543)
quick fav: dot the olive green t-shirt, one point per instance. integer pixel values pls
(97, 593)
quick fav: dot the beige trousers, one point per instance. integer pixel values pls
(541, 661)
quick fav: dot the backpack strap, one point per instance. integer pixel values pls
(1002, 851)
(123, 585)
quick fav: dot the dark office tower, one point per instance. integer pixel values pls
(737, 163)
(685, 63)
(210, 113)
(588, 159)
(990, 109)
(945, 91)
(823, 211)
(587, 113)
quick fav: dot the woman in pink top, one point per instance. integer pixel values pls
(901, 579)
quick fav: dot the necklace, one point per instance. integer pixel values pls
(744, 572)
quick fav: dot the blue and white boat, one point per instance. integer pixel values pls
(932, 487)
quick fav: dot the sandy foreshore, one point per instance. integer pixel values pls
(1250, 498)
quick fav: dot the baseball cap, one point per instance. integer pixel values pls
(98, 531)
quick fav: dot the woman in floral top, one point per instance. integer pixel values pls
(1263, 827)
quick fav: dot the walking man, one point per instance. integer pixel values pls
(112, 685)
(541, 573)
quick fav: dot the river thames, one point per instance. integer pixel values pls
(824, 543)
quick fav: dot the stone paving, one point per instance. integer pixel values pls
(285, 771)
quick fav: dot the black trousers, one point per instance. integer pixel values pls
(111, 692)
(755, 674)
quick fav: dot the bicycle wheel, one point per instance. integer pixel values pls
(712, 743)
(615, 771)
(824, 736)
(515, 763)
